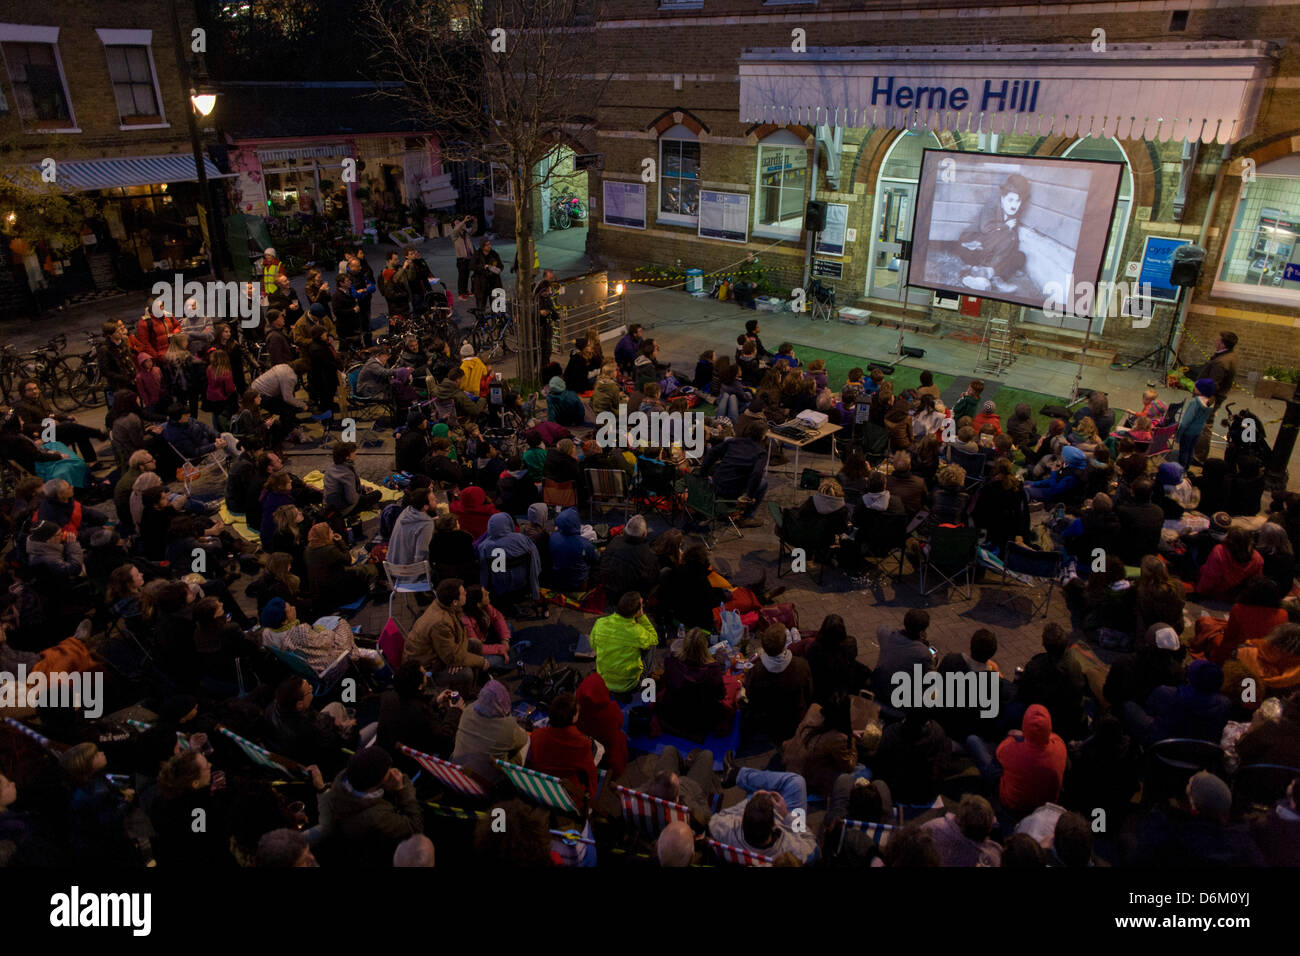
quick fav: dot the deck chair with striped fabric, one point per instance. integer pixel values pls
(737, 855)
(879, 832)
(52, 746)
(261, 756)
(649, 815)
(445, 772)
(609, 488)
(539, 787)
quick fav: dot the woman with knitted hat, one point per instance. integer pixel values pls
(1195, 415)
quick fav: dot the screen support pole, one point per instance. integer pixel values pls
(1083, 356)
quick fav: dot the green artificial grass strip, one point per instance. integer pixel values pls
(1006, 399)
(838, 365)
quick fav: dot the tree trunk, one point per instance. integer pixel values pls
(530, 366)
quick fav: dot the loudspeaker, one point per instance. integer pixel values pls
(1187, 265)
(905, 250)
(911, 351)
(814, 219)
(1284, 445)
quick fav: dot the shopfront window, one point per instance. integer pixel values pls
(782, 179)
(679, 177)
(1261, 259)
(292, 188)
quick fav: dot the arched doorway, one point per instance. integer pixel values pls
(560, 213)
(892, 214)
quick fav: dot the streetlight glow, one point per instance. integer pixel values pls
(204, 102)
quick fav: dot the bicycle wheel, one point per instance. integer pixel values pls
(562, 219)
(510, 340)
(65, 381)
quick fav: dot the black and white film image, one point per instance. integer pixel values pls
(1007, 227)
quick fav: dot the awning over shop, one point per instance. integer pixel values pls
(83, 174)
(1158, 91)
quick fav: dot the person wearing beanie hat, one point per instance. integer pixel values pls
(370, 808)
(274, 614)
(1065, 478)
(477, 372)
(563, 406)
(988, 416)
(1193, 421)
(48, 547)
(628, 563)
(488, 732)
(317, 645)
(1202, 836)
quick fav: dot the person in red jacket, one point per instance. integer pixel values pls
(153, 334)
(601, 719)
(564, 751)
(1229, 565)
(1033, 763)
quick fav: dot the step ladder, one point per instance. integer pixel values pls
(995, 347)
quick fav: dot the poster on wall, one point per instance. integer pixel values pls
(624, 204)
(724, 216)
(1157, 263)
(1018, 229)
(830, 241)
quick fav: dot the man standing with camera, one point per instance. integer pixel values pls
(462, 239)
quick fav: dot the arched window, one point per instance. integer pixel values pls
(679, 177)
(1109, 149)
(1261, 259)
(782, 179)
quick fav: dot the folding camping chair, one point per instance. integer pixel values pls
(260, 755)
(973, 463)
(702, 500)
(50, 745)
(1028, 562)
(444, 410)
(737, 855)
(541, 788)
(609, 486)
(884, 537)
(647, 816)
(322, 683)
(793, 535)
(656, 487)
(358, 404)
(874, 441)
(1173, 761)
(950, 555)
(821, 300)
(445, 772)
(561, 494)
(1160, 444)
(396, 572)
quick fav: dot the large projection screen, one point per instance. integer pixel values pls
(1012, 228)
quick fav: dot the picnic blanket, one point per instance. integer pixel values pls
(316, 479)
(238, 524)
(592, 602)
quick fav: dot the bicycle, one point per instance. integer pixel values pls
(66, 378)
(494, 335)
(560, 215)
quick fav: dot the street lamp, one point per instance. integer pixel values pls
(203, 102)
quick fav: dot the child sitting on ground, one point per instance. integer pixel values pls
(785, 357)
(856, 385)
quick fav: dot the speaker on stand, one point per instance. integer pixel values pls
(1283, 446)
(814, 219)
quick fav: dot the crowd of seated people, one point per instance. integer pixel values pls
(186, 619)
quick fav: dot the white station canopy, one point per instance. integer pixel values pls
(1158, 91)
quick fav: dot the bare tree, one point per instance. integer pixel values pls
(502, 81)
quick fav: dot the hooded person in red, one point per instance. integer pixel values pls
(564, 751)
(1033, 763)
(601, 719)
(473, 509)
